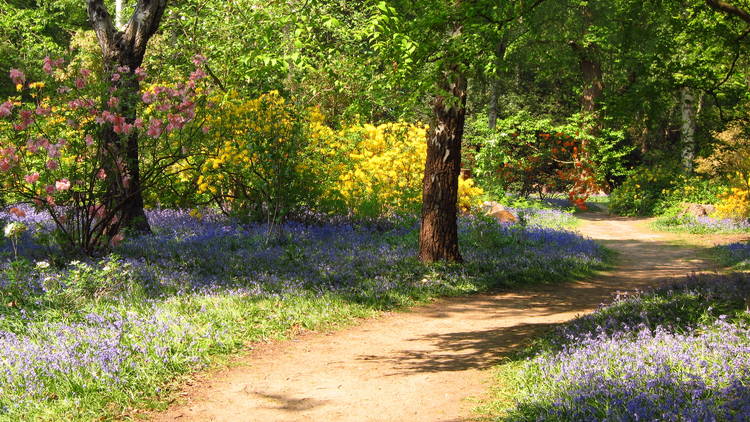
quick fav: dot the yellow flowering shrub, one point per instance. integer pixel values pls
(263, 157)
(381, 168)
(735, 202)
(258, 160)
(469, 195)
(729, 163)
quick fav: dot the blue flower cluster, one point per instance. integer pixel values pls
(659, 355)
(69, 329)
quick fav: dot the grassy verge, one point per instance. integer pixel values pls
(734, 255)
(93, 339)
(699, 225)
(681, 352)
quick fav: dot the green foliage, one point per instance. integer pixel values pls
(528, 155)
(657, 190)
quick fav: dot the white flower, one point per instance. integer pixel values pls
(14, 229)
(42, 265)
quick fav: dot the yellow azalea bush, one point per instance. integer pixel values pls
(258, 161)
(735, 202)
(381, 168)
(263, 157)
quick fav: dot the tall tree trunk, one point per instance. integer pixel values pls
(593, 86)
(125, 49)
(687, 128)
(118, 15)
(495, 95)
(591, 70)
(438, 237)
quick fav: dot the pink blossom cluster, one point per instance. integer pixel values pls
(49, 65)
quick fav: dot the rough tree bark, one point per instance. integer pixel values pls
(687, 128)
(120, 49)
(438, 237)
(593, 86)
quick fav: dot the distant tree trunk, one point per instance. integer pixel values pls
(118, 14)
(591, 70)
(126, 49)
(438, 237)
(495, 94)
(687, 128)
(593, 86)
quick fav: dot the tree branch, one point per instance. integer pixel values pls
(729, 9)
(143, 24)
(101, 22)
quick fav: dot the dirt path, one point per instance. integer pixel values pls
(427, 364)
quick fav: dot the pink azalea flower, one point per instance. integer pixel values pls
(101, 174)
(199, 59)
(154, 128)
(85, 73)
(47, 66)
(52, 165)
(89, 140)
(197, 75)
(140, 73)
(63, 184)
(49, 189)
(113, 102)
(32, 178)
(6, 108)
(115, 77)
(17, 76)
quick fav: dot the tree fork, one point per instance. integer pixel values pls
(126, 48)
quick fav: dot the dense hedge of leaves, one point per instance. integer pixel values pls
(655, 190)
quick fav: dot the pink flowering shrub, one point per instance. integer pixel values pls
(54, 151)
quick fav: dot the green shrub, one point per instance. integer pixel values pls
(660, 190)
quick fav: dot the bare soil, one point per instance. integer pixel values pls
(430, 363)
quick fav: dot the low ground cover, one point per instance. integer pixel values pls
(736, 255)
(83, 339)
(700, 225)
(679, 352)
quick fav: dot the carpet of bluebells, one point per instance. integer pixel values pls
(84, 338)
(677, 353)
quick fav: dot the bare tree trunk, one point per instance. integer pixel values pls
(126, 49)
(592, 84)
(591, 70)
(494, 96)
(687, 128)
(438, 237)
(118, 15)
